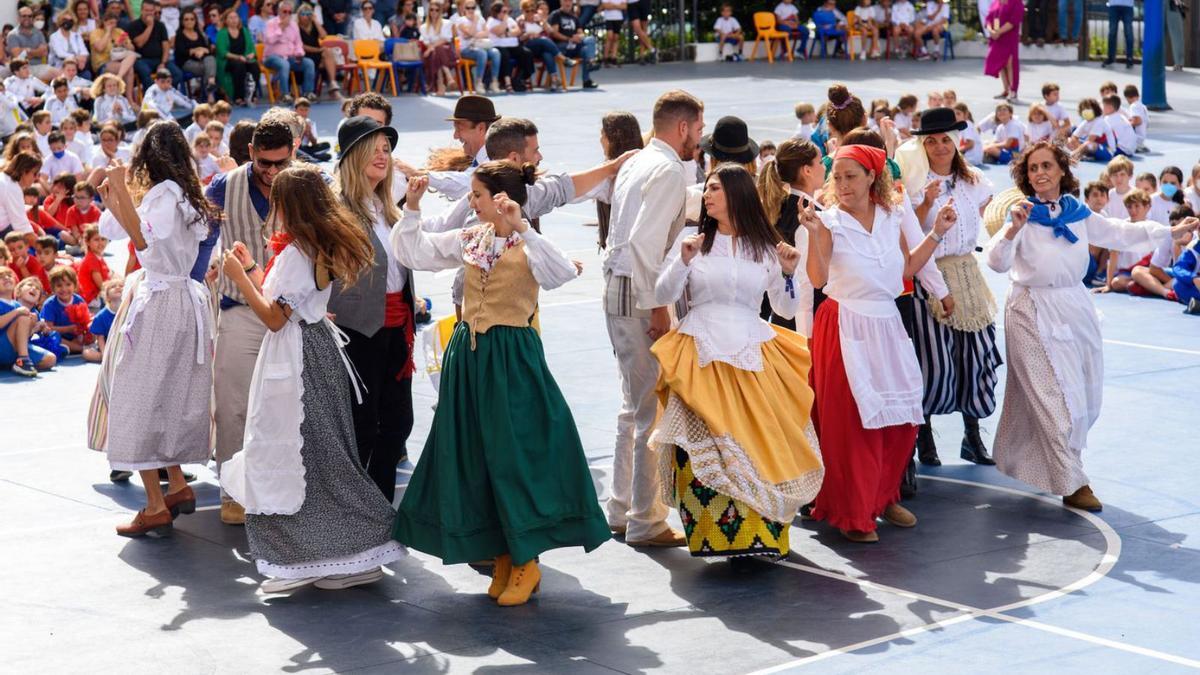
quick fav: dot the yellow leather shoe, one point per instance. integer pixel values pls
(1085, 499)
(501, 572)
(232, 513)
(524, 582)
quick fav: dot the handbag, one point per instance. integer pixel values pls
(119, 53)
(482, 43)
(406, 51)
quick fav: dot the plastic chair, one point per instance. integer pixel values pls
(463, 70)
(270, 75)
(947, 44)
(347, 66)
(367, 54)
(854, 30)
(825, 30)
(539, 74)
(766, 32)
(414, 69)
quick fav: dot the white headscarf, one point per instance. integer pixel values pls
(914, 163)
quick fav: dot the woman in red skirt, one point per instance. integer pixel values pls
(865, 373)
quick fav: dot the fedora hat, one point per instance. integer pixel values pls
(472, 108)
(730, 142)
(939, 121)
(357, 128)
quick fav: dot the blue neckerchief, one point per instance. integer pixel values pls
(1073, 211)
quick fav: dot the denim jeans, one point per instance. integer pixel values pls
(1124, 15)
(543, 48)
(482, 57)
(1076, 25)
(145, 69)
(283, 68)
(584, 51)
(586, 13)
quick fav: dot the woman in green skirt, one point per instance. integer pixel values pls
(503, 475)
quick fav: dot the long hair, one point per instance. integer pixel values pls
(448, 159)
(883, 190)
(164, 154)
(1178, 173)
(14, 144)
(773, 180)
(958, 164)
(746, 213)
(623, 133)
(357, 193)
(321, 226)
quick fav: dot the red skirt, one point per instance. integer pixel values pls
(863, 467)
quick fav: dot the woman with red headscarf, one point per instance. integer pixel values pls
(865, 373)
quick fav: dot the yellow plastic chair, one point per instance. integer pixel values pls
(270, 75)
(367, 54)
(766, 33)
(854, 30)
(465, 66)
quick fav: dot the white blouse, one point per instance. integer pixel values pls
(725, 290)
(171, 227)
(368, 30)
(503, 38)
(969, 200)
(396, 274)
(865, 267)
(430, 35)
(436, 251)
(293, 282)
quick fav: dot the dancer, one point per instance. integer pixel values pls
(1053, 348)
(957, 350)
(647, 215)
(159, 402)
(865, 373)
(735, 446)
(313, 514)
(503, 474)
(377, 310)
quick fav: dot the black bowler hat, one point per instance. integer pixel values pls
(357, 128)
(939, 121)
(472, 108)
(730, 142)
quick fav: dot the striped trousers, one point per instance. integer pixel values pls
(959, 368)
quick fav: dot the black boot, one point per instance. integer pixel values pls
(973, 449)
(908, 484)
(926, 448)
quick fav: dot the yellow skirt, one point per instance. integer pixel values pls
(719, 525)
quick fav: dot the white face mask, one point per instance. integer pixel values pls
(39, 24)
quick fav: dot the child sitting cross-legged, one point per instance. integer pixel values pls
(103, 320)
(17, 324)
(1008, 137)
(66, 313)
(1154, 276)
(1121, 263)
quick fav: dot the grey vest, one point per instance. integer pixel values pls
(361, 306)
(243, 224)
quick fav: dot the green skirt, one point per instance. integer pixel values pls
(503, 470)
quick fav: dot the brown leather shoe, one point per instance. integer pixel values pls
(183, 501)
(232, 513)
(153, 525)
(899, 516)
(861, 537)
(668, 538)
(618, 530)
(1084, 499)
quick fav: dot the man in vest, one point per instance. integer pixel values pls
(243, 195)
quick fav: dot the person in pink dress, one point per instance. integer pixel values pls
(1003, 26)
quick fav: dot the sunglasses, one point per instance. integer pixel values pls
(306, 13)
(267, 165)
(285, 12)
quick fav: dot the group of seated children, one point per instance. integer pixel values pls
(897, 25)
(1168, 271)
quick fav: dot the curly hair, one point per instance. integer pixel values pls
(1020, 168)
(883, 190)
(163, 155)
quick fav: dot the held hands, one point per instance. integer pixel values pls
(789, 257)
(242, 254)
(510, 211)
(946, 218)
(690, 248)
(416, 189)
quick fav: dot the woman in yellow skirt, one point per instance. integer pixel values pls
(737, 451)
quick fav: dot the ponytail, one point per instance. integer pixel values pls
(772, 191)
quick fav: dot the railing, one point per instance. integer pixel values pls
(1095, 32)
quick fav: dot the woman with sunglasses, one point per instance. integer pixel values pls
(263, 11)
(311, 34)
(212, 22)
(194, 53)
(437, 39)
(366, 27)
(476, 44)
(112, 51)
(506, 37)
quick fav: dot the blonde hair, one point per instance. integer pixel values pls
(98, 85)
(1136, 196)
(29, 281)
(1119, 163)
(356, 191)
(775, 177)
(1038, 108)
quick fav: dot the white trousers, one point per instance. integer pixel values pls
(635, 501)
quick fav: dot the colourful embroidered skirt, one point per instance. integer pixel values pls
(719, 525)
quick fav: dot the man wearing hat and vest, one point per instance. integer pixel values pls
(243, 195)
(955, 341)
(473, 115)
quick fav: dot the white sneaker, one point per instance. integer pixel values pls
(285, 585)
(337, 582)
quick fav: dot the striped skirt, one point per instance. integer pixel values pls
(959, 367)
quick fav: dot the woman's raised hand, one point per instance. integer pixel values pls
(808, 218)
(789, 257)
(417, 186)
(690, 248)
(947, 216)
(510, 211)
(1020, 215)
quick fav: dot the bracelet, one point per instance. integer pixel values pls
(250, 269)
(937, 238)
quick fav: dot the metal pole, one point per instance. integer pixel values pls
(1154, 69)
(682, 32)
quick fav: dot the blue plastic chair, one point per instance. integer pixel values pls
(415, 70)
(947, 44)
(182, 86)
(826, 29)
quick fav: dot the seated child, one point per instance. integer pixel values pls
(1120, 175)
(904, 16)
(8, 281)
(1096, 195)
(787, 19)
(60, 159)
(949, 98)
(82, 212)
(879, 110)
(730, 37)
(66, 313)
(806, 124)
(93, 271)
(970, 143)
(1121, 263)
(166, 99)
(202, 114)
(310, 143)
(1007, 139)
(102, 321)
(17, 324)
(39, 218)
(62, 104)
(1148, 183)
(1040, 126)
(111, 104)
(78, 142)
(1185, 275)
(206, 165)
(906, 107)
(1154, 277)
(934, 99)
(1122, 131)
(217, 133)
(933, 21)
(1091, 139)
(1169, 194)
(20, 261)
(867, 19)
(766, 153)
(1139, 116)
(1058, 114)
(48, 254)
(830, 22)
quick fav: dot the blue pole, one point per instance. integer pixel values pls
(1154, 69)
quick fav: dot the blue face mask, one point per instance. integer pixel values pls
(1169, 190)
(60, 154)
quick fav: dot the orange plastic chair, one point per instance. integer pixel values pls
(463, 70)
(853, 30)
(766, 33)
(367, 53)
(540, 78)
(270, 75)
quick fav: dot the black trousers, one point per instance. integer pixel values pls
(237, 71)
(384, 420)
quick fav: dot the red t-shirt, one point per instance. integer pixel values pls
(76, 220)
(35, 270)
(91, 263)
(43, 222)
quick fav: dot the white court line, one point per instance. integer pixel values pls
(1156, 348)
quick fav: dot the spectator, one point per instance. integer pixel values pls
(110, 293)
(82, 213)
(1008, 138)
(42, 126)
(10, 112)
(311, 34)
(367, 27)
(206, 165)
(284, 51)
(337, 16)
(1123, 139)
(112, 50)
(729, 34)
(151, 41)
(21, 141)
(236, 59)
(1152, 274)
(61, 160)
(532, 25)
(145, 117)
(79, 88)
(16, 325)
(222, 112)
(212, 22)
(638, 14)
(66, 44)
(194, 53)
(264, 10)
(85, 22)
(202, 114)
(93, 271)
(44, 223)
(1119, 12)
(216, 133)
(62, 194)
(29, 44)
(111, 104)
(28, 89)
(65, 311)
(933, 21)
(1069, 34)
(62, 104)
(167, 100)
(25, 265)
(476, 45)
(613, 13)
(437, 39)
(1139, 116)
(1040, 126)
(904, 17)
(830, 22)
(1004, 42)
(407, 29)
(505, 36)
(110, 150)
(566, 29)
(310, 143)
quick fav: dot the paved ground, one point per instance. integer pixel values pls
(996, 577)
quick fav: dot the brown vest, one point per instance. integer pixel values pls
(506, 296)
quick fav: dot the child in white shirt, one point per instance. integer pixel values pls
(1139, 117)
(206, 166)
(75, 143)
(970, 143)
(1091, 137)
(1124, 138)
(111, 104)
(1040, 126)
(906, 107)
(22, 84)
(1120, 174)
(868, 19)
(201, 116)
(62, 104)
(806, 121)
(729, 34)
(10, 112)
(42, 126)
(80, 88)
(61, 160)
(1008, 137)
(1058, 113)
(164, 98)
(904, 15)
(932, 23)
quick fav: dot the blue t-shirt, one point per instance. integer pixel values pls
(55, 313)
(102, 322)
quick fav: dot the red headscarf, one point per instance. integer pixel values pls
(870, 157)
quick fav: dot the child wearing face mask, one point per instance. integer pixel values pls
(1169, 195)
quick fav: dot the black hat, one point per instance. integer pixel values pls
(472, 108)
(357, 128)
(730, 142)
(939, 121)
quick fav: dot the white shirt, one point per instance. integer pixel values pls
(70, 163)
(364, 30)
(725, 296)
(82, 150)
(1095, 127)
(903, 122)
(1008, 131)
(12, 205)
(396, 274)
(164, 100)
(1116, 204)
(969, 200)
(1057, 111)
(868, 14)
(206, 167)
(172, 229)
(725, 25)
(1192, 197)
(974, 154)
(1160, 209)
(456, 184)
(1121, 134)
(612, 14)
(648, 202)
(784, 11)
(804, 131)
(113, 108)
(500, 40)
(10, 114)
(430, 36)
(1138, 109)
(1039, 131)
(65, 48)
(29, 87)
(43, 142)
(903, 12)
(60, 110)
(476, 26)
(100, 160)
(935, 12)
(192, 131)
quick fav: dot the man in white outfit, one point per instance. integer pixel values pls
(647, 215)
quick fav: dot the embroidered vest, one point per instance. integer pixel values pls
(242, 223)
(506, 296)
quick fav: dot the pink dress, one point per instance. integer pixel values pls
(1005, 47)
